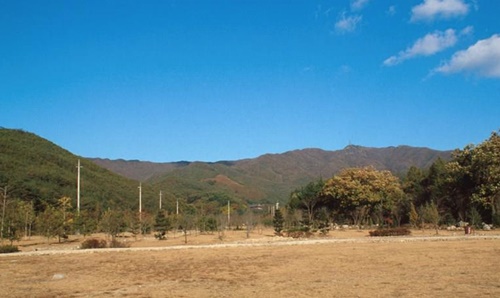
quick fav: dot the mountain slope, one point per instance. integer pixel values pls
(37, 170)
(138, 170)
(271, 177)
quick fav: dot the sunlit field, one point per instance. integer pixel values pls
(345, 264)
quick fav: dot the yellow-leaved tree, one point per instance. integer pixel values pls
(366, 195)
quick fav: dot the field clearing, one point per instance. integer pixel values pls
(347, 264)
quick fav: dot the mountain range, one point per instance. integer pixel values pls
(35, 168)
(269, 177)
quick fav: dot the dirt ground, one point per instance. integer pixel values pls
(345, 264)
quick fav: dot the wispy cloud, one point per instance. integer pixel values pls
(469, 30)
(391, 10)
(482, 58)
(322, 12)
(432, 9)
(347, 23)
(357, 5)
(428, 45)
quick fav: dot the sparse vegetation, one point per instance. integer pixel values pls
(5, 249)
(299, 233)
(114, 243)
(93, 243)
(390, 232)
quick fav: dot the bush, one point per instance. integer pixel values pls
(161, 235)
(5, 249)
(474, 218)
(496, 220)
(390, 232)
(118, 244)
(93, 243)
(299, 233)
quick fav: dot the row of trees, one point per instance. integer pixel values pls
(21, 219)
(466, 188)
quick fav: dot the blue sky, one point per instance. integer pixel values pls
(225, 80)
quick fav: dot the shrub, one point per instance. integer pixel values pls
(118, 244)
(474, 218)
(324, 228)
(93, 243)
(161, 235)
(390, 232)
(5, 249)
(496, 220)
(299, 233)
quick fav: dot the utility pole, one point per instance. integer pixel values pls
(160, 199)
(177, 207)
(228, 213)
(3, 210)
(140, 201)
(78, 188)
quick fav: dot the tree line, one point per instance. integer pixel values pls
(465, 188)
(21, 218)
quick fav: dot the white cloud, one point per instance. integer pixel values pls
(357, 5)
(430, 44)
(391, 10)
(431, 9)
(469, 30)
(482, 58)
(346, 24)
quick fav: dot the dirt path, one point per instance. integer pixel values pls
(275, 241)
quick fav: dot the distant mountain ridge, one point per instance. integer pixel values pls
(138, 170)
(270, 177)
(314, 161)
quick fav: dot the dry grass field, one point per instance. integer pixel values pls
(346, 264)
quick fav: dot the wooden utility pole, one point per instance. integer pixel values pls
(228, 214)
(3, 210)
(78, 188)
(140, 202)
(160, 199)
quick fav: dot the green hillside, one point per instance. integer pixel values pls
(207, 182)
(34, 169)
(270, 177)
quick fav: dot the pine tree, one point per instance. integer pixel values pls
(162, 225)
(278, 222)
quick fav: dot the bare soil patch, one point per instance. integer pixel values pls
(346, 264)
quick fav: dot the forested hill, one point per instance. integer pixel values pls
(293, 165)
(34, 169)
(269, 177)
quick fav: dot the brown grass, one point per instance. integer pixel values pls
(458, 267)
